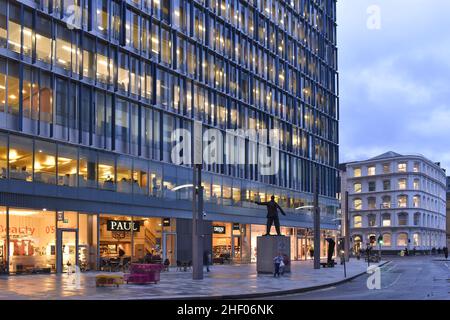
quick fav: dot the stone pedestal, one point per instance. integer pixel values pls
(267, 248)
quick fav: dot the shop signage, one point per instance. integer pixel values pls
(166, 222)
(119, 225)
(219, 229)
(60, 215)
(236, 227)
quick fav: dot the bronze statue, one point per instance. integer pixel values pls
(272, 215)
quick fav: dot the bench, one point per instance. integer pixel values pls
(102, 280)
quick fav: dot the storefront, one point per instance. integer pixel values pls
(42, 241)
(259, 230)
(230, 243)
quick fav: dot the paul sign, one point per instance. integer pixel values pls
(119, 225)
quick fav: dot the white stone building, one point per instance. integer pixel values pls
(404, 194)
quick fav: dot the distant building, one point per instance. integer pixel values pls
(401, 198)
(448, 211)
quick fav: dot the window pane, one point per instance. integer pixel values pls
(30, 99)
(13, 95)
(122, 129)
(3, 24)
(20, 158)
(124, 175)
(46, 103)
(43, 39)
(102, 17)
(106, 171)
(32, 251)
(45, 162)
(3, 156)
(67, 166)
(62, 109)
(88, 169)
(140, 177)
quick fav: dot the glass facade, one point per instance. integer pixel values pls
(89, 98)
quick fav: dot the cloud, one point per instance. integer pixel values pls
(394, 82)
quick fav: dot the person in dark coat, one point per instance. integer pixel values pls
(445, 252)
(206, 260)
(272, 215)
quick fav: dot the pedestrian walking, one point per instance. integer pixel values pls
(445, 252)
(406, 251)
(277, 261)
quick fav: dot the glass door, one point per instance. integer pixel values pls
(67, 250)
(170, 247)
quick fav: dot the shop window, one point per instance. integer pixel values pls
(87, 169)
(125, 182)
(387, 240)
(416, 239)
(87, 242)
(402, 240)
(32, 245)
(106, 171)
(45, 162)
(67, 166)
(20, 158)
(140, 177)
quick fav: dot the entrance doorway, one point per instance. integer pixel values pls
(169, 247)
(67, 246)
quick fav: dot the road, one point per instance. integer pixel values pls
(404, 278)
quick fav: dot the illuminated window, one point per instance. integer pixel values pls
(357, 187)
(416, 184)
(371, 171)
(416, 201)
(357, 222)
(43, 39)
(20, 158)
(64, 50)
(357, 172)
(416, 167)
(402, 239)
(3, 24)
(102, 17)
(387, 240)
(386, 220)
(67, 166)
(357, 204)
(402, 184)
(401, 167)
(402, 201)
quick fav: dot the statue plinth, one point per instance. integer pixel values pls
(267, 248)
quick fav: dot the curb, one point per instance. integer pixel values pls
(273, 293)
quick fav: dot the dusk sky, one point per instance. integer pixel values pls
(394, 81)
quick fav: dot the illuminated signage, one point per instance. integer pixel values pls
(219, 229)
(119, 225)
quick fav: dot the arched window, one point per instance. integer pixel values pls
(386, 220)
(403, 219)
(357, 204)
(416, 201)
(372, 202)
(372, 220)
(402, 239)
(357, 221)
(402, 201)
(416, 239)
(417, 218)
(387, 240)
(386, 202)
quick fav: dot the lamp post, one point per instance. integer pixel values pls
(316, 217)
(380, 237)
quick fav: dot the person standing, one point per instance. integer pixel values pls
(272, 215)
(445, 252)
(206, 260)
(277, 261)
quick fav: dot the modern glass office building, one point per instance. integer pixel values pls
(91, 91)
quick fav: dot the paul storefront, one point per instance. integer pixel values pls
(41, 241)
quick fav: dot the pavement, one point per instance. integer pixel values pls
(224, 281)
(403, 278)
